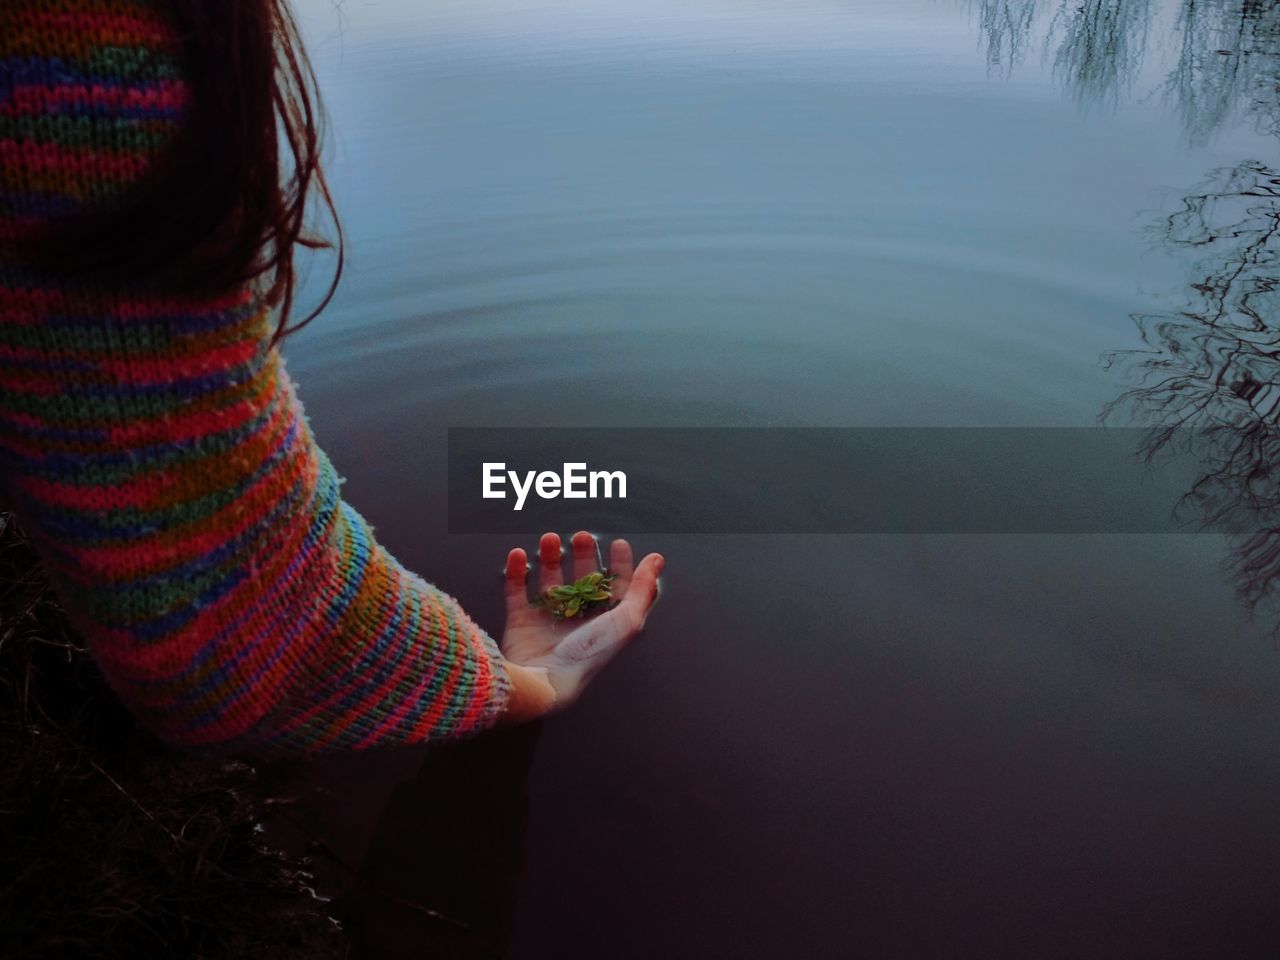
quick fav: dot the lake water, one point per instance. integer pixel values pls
(822, 213)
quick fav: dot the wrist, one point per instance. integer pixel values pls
(531, 695)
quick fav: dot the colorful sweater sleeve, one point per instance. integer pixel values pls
(156, 451)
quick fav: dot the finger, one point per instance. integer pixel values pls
(621, 564)
(585, 560)
(549, 572)
(517, 598)
(643, 589)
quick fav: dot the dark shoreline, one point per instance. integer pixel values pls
(111, 843)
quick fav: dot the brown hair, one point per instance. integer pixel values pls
(227, 202)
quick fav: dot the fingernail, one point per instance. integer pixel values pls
(662, 562)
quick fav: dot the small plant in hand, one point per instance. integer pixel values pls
(577, 599)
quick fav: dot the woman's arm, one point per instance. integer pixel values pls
(198, 538)
(158, 454)
(160, 459)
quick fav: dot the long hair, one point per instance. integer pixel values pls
(227, 201)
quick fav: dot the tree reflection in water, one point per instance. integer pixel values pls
(1209, 378)
(1226, 67)
(1208, 381)
(1100, 47)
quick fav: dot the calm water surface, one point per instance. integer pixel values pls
(856, 213)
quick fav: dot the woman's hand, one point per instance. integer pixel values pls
(550, 661)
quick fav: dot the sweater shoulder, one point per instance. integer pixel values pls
(91, 94)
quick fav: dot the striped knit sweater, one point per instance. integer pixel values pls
(157, 453)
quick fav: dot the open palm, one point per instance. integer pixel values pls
(572, 651)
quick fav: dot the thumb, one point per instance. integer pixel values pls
(643, 589)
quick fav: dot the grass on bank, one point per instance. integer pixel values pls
(112, 844)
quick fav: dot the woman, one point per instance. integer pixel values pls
(156, 159)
